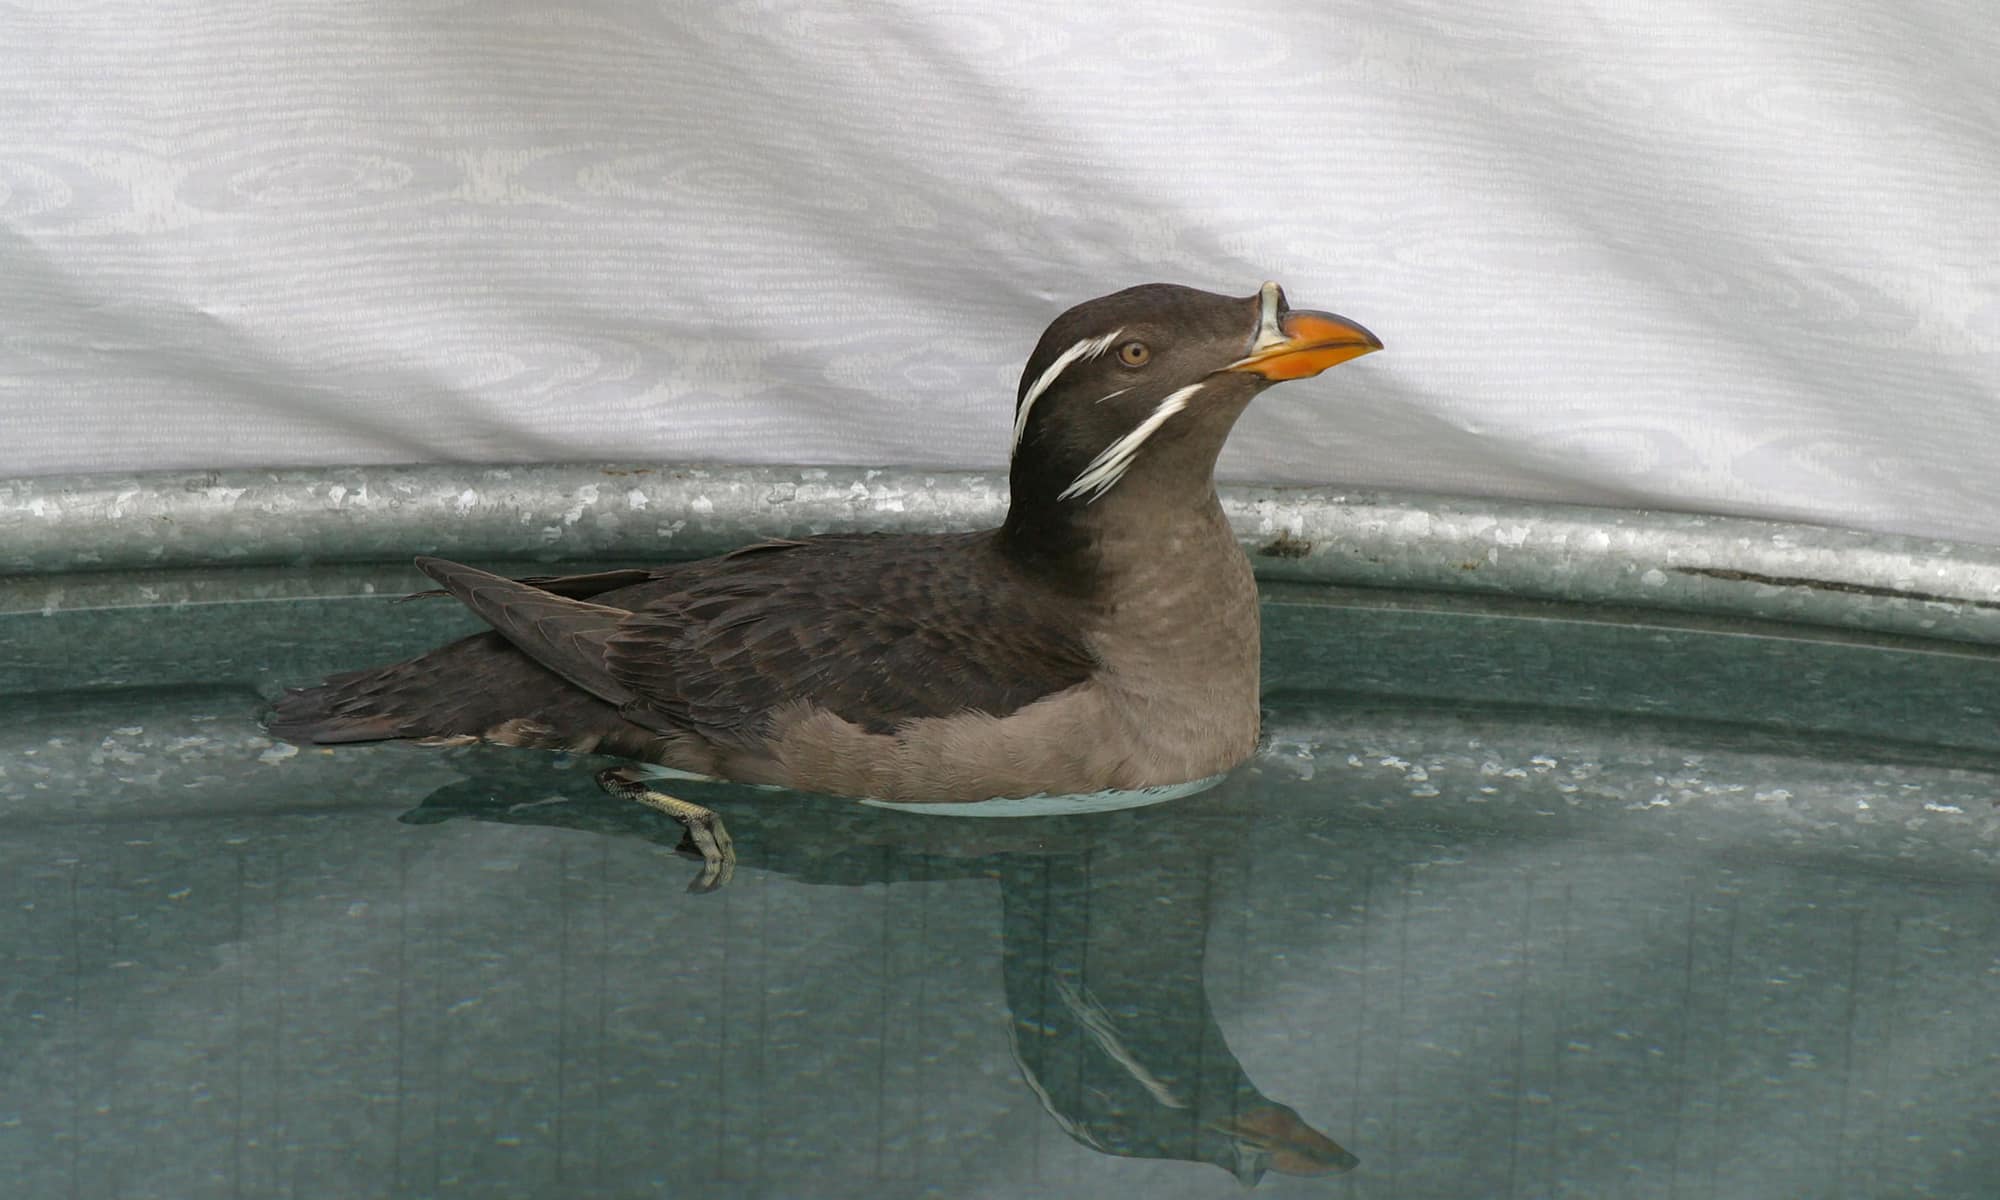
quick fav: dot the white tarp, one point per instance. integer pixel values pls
(1723, 255)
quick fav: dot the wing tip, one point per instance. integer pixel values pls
(305, 717)
(458, 579)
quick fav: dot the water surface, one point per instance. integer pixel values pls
(1518, 901)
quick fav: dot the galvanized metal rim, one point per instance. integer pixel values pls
(1681, 562)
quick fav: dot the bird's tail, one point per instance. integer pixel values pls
(446, 693)
(478, 688)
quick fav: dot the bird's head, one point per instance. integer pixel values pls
(1129, 397)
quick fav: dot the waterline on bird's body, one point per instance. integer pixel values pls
(1045, 805)
(1040, 805)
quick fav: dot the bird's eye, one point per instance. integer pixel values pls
(1134, 354)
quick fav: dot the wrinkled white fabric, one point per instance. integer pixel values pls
(1722, 255)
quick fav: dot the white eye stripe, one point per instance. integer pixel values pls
(1087, 348)
(1096, 1022)
(1111, 464)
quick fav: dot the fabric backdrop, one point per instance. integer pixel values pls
(1720, 255)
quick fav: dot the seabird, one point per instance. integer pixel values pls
(1102, 640)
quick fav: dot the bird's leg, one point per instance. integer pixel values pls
(704, 828)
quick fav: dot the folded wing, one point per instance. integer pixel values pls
(877, 630)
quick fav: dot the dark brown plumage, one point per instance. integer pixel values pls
(878, 629)
(1104, 637)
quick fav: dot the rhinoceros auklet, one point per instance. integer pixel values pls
(1102, 640)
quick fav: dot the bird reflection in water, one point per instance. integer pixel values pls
(1103, 941)
(1111, 1024)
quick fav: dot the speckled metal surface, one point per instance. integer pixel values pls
(1677, 561)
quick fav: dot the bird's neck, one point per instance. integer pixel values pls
(1128, 537)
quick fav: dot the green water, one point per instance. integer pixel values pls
(1519, 901)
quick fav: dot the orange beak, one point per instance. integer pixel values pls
(1299, 345)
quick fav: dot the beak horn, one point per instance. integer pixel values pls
(1301, 344)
